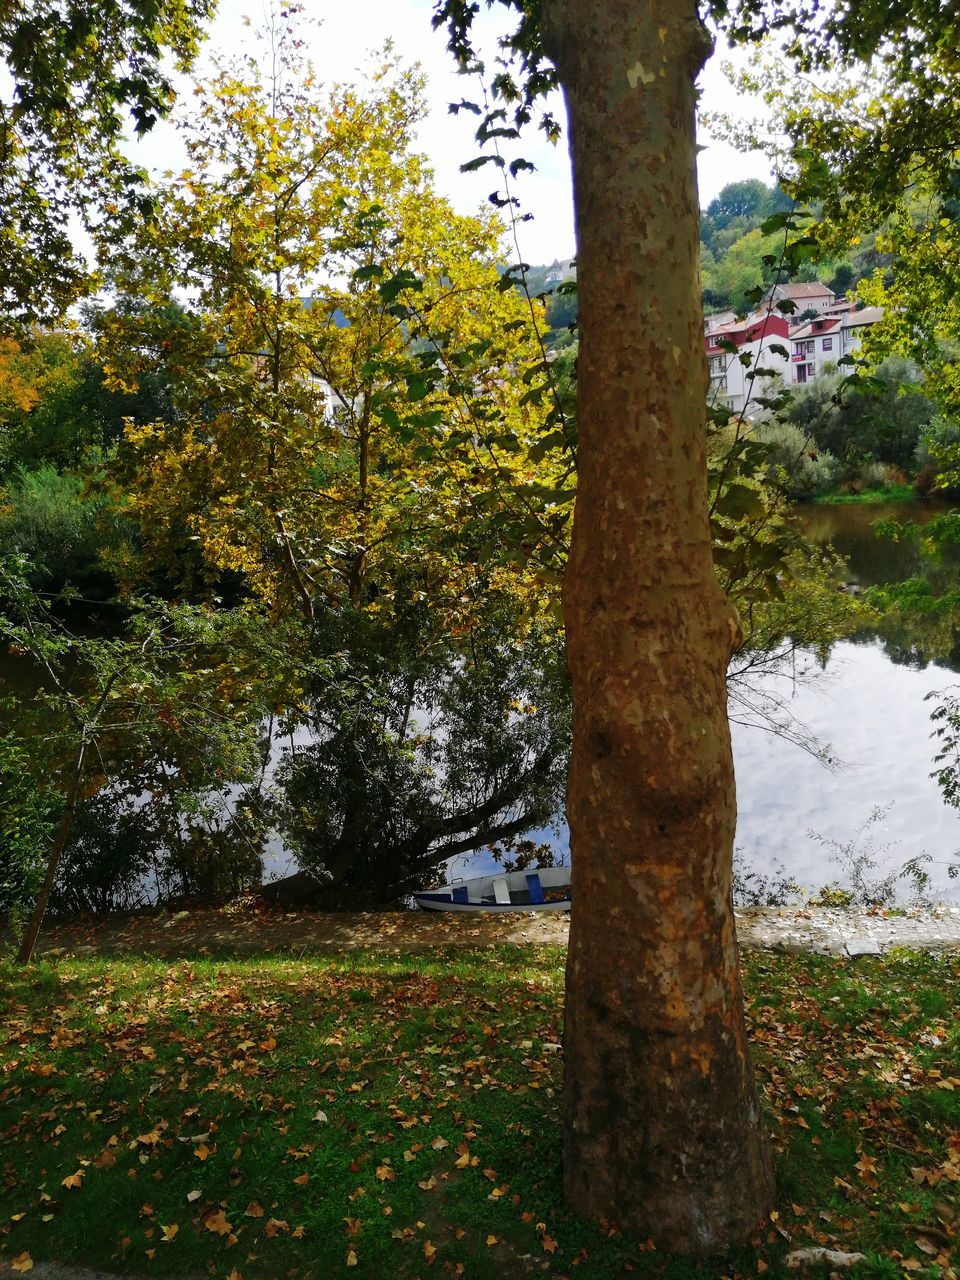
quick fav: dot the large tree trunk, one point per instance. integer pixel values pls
(663, 1133)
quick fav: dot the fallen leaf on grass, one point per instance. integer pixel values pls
(169, 1232)
(868, 1169)
(253, 1210)
(217, 1222)
(385, 1173)
(491, 1240)
(22, 1262)
(429, 1251)
(549, 1244)
(73, 1179)
(194, 1195)
(351, 1258)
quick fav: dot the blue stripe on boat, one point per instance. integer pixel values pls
(535, 887)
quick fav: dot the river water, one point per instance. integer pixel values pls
(870, 711)
(867, 705)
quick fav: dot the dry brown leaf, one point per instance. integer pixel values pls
(217, 1223)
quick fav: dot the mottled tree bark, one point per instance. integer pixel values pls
(663, 1133)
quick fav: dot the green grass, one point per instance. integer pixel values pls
(380, 1108)
(889, 493)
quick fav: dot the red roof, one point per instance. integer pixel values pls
(752, 329)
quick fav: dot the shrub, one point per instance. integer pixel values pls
(939, 440)
(47, 517)
(26, 824)
(880, 475)
(106, 862)
(803, 470)
(881, 423)
(127, 850)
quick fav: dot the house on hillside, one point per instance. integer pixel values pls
(560, 270)
(820, 344)
(855, 324)
(806, 296)
(815, 345)
(754, 336)
(718, 318)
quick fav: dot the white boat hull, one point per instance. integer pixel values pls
(545, 890)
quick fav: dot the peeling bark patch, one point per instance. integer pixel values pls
(638, 74)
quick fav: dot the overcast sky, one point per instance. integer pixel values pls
(339, 47)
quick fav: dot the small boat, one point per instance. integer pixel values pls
(544, 890)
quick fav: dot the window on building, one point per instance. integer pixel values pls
(828, 344)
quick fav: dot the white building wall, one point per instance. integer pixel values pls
(730, 383)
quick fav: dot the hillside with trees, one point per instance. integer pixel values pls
(735, 257)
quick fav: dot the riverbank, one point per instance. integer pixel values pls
(867, 497)
(226, 932)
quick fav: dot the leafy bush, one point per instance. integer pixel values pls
(883, 422)
(105, 864)
(47, 517)
(128, 850)
(804, 471)
(880, 475)
(939, 440)
(26, 823)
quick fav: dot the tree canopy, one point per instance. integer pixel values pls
(78, 76)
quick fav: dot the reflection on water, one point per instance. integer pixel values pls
(868, 705)
(849, 528)
(873, 714)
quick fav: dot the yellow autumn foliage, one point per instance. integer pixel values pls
(357, 396)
